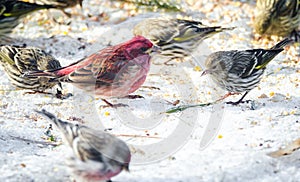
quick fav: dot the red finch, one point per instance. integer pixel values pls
(98, 155)
(115, 71)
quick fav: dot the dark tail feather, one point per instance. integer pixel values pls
(49, 116)
(283, 43)
(227, 28)
(40, 73)
(54, 73)
(61, 125)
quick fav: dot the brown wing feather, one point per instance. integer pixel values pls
(102, 66)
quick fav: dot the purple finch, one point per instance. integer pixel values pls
(115, 71)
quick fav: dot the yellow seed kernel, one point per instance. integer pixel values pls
(285, 113)
(271, 94)
(220, 136)
(65, 32)
(84, 28)
(197, 68)
(106, 113)
(292, 112)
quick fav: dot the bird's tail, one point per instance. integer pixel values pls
(52, 118)
(22, 8)
(6, 54)
(40, 73)
(54, 73)
(283, 43)
(220, 29)
(209, 31)
(69, 130)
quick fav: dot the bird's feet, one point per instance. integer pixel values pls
(62, 96)
(176, 102)
(150, 87)
(37, 92)
(238, 102)
(134, 97)
(108, 104)
(228, 94)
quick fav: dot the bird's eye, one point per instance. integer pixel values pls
(144, 49)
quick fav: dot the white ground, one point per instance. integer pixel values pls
(166, 147)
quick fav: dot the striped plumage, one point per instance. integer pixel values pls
(241, 70)
(12, 10)
(17, 60)
(59, 4)
(177, 38)
(98, 155)
(277, 17)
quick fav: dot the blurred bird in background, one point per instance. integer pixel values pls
(18, 60)
(278, 17)
(59, 4)
(241, 70)
(177, 38)
(11, 11)
(98, 155)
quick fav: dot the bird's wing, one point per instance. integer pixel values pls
(247, 62)
(243, 63)
(189, 29)
(285, 8)
(99, 67)
(26, 60)
(158, 30)
(7, 54)
(2, 9)
(108, 69)
(98, 144)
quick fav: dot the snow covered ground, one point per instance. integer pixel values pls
(213, 143)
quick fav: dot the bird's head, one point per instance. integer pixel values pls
(214, 64)
(261, 24)
(137, 46)
(263, 18)
(126, 167)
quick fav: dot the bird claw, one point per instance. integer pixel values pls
(62, 96)
(151, 87)
(228, 94)
(176, 102)
(115, 106)
(37, 92)
(108, 104)
(134, 97)
(238, 102)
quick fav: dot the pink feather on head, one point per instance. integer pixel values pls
(136, 47)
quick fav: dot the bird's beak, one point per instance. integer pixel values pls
(155, 49)
(205, 72)
(126, 168)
